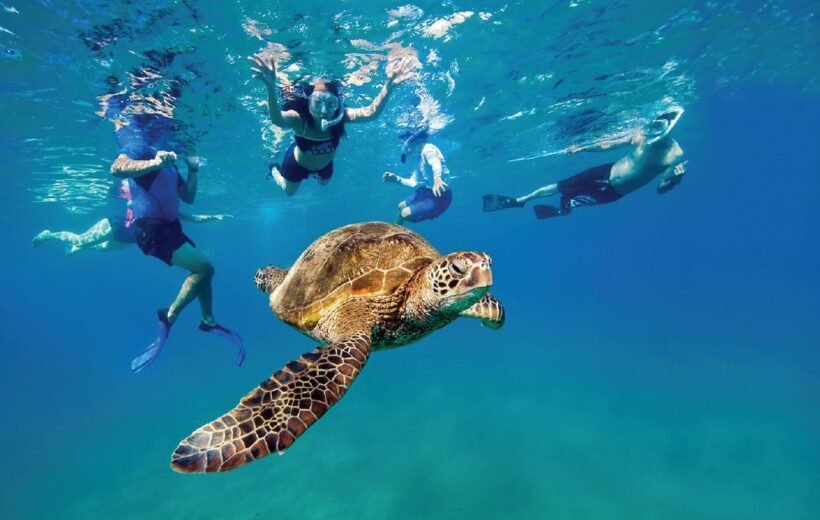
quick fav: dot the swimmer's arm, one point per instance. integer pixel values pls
(264, 68)
(435, 165)
(372, 111)
(193, 217)
(671, 177)
(124, 167)
(187, 190)
(601, 146)
(410, 182)
(286, 119)
(433, 156)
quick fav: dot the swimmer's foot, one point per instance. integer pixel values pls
(41, 237)
(152, 351)
(275, 175)
(224, 332)
(497, 202)
(272, 165)
(542, 211)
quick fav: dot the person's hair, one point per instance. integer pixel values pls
(296, 99)
(414, 134)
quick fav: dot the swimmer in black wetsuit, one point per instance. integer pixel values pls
(317, 118)
(654, 153)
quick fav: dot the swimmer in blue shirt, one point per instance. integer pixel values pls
(432, 196)
(156, 187)
(110, 233)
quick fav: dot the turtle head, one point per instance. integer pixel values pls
(456, 281)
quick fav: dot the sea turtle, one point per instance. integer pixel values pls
(357, 289)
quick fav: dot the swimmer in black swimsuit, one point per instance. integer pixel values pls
(317, 116)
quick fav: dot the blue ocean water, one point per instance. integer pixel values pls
(660, 355)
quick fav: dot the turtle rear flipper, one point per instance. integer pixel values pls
(488, 310)
(277, 412)
(269, 277)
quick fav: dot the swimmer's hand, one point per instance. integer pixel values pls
(207, 218)
(400, 70)
(679, 171)
(164, 157)
(439, 187)
(390, 177)
(669, 181)
(193, 162)
(264, 68)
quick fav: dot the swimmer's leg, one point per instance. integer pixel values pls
(287, 186)
(97, 234)
(201, 273)
(404, 213)
(544, 191)
(196, 285)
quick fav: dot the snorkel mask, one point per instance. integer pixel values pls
(661, 126)
(410, 136)
(325, 124)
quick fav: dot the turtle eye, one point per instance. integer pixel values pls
(458, 267)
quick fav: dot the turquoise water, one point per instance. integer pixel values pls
(660, 356)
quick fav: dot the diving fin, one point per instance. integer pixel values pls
(152, 351)
(542, 211)
(497, 202)
(225, 332)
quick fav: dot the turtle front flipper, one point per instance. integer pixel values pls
(488, 310)
(277, 412)
(269, 278)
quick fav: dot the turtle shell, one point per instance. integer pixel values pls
(367, 259)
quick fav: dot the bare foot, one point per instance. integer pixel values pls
(41, 237)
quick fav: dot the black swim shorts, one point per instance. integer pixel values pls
(160, 238)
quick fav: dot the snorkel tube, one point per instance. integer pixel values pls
(666, 122)
(325, 124)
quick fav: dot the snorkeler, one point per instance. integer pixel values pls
(111, 233)
(654, 154)
(317, 115)
(156, 187)
(425, 202)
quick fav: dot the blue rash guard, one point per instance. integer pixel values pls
(154, 196)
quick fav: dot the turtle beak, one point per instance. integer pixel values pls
(481, 275)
